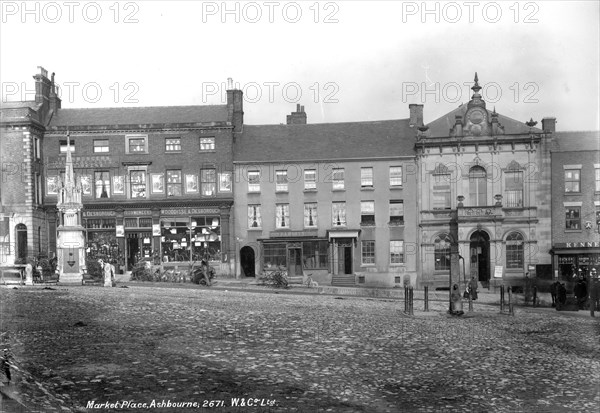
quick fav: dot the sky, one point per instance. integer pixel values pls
(344, 61)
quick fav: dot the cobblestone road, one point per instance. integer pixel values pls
(303, 353)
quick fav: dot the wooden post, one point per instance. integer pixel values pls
(426, 297)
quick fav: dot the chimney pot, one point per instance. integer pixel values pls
(416, 114)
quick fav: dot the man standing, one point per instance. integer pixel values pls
(581, 292)
(473, 288)
(594, 292)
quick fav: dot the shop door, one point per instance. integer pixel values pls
(294, 262)
(133, 250)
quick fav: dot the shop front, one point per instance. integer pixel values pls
(575, 259)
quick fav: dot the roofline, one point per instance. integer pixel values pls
(145, 107)
(382, 158)
(330, 123)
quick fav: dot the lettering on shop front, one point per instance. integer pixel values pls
(189, 211)
(580, 245)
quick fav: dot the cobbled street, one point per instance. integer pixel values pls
(77, 348)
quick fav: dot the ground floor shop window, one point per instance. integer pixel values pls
(103, 245)
(274, 255)
(314, 254)
(191, 239)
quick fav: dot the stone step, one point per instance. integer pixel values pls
(343, 280)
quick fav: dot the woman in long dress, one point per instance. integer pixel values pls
(456, 300)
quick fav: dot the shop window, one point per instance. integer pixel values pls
(572, 180)
(253, 181)
(254, 218)
(396, 212)
(513, 194)
(281, 183)
(310, 179)
(338, 212)
(102, 184)
(137, 181)
(396, 252)
(367, 252)
(514, 251)
(395, 176)
(338, 178)
(477, 186)
(191, 239)
(314, 254)
(174, 183)
(573, 218)
(367, 213)
(274, 256)
(310, 215)
(207, 144)
(208, 181)
(101, 146)
(173, 144)
(282, 216)
(442, 252)
(366, 177)
(440, 191)
(99, 223)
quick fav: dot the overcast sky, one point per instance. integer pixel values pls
(350, 60)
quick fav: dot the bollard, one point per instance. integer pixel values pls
(501, 298)
(426, 298)
(510, 306)
(535, 296)
(406, 299)
(410, 297)
(470, 302)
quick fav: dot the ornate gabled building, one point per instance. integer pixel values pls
(484, 196)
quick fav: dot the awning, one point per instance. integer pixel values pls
(343, 233)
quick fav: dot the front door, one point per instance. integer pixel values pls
(480, 256)
(294, 262)
(133, 251)
(344, 259)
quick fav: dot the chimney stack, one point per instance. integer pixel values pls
(549, 125)
(42, 86)
(416, 115)
(235, 106)
(298, 117)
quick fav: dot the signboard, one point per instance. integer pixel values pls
(156, 230)
(586, 244)
(190, 211)
(120, 231)
(87, 214)
(498, 271)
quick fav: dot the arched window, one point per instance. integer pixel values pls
(514, 251)
(21, 241)
(442, 252)
(477, 186)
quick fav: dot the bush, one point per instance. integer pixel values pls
(94, 269)
(276, 279)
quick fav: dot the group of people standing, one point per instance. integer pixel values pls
(582, 292)
(456, 297)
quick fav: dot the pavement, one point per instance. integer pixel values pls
(294, 350)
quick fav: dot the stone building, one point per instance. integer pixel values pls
(333, 200)
(25, 227)
(575, 204)
(483, 196)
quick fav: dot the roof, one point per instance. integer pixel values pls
(576, 141)
(139, 115)
(442, 125)
(325, 141)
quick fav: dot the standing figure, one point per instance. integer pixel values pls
(561, 295)
(581, 292)
(594, 291)
(553, 292)
(456, 301)
(473, 288)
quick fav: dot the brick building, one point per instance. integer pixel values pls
(156, 180)
(332, 200)
(575, 204)
(25, 227)
(484, 196)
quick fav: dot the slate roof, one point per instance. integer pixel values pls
(319, 141)
(442, 125)
(139, 115)
(576, 141)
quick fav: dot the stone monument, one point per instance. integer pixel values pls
(70, 238)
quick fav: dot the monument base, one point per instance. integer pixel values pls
(71, 278)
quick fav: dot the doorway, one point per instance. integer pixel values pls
(344, 259)
(480, 256)
(133, 251)
(247, 260)
(294, 262)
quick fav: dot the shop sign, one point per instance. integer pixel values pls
(498, 271)
(566, 259)
(190, 211)
(87, 214)
(292, 234)
(586, 244)
(136, 212)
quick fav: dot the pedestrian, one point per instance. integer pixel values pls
(561, 295)
(456, 301)
(581, 292)
(473, 288)
(553, 291)
(594, 291)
